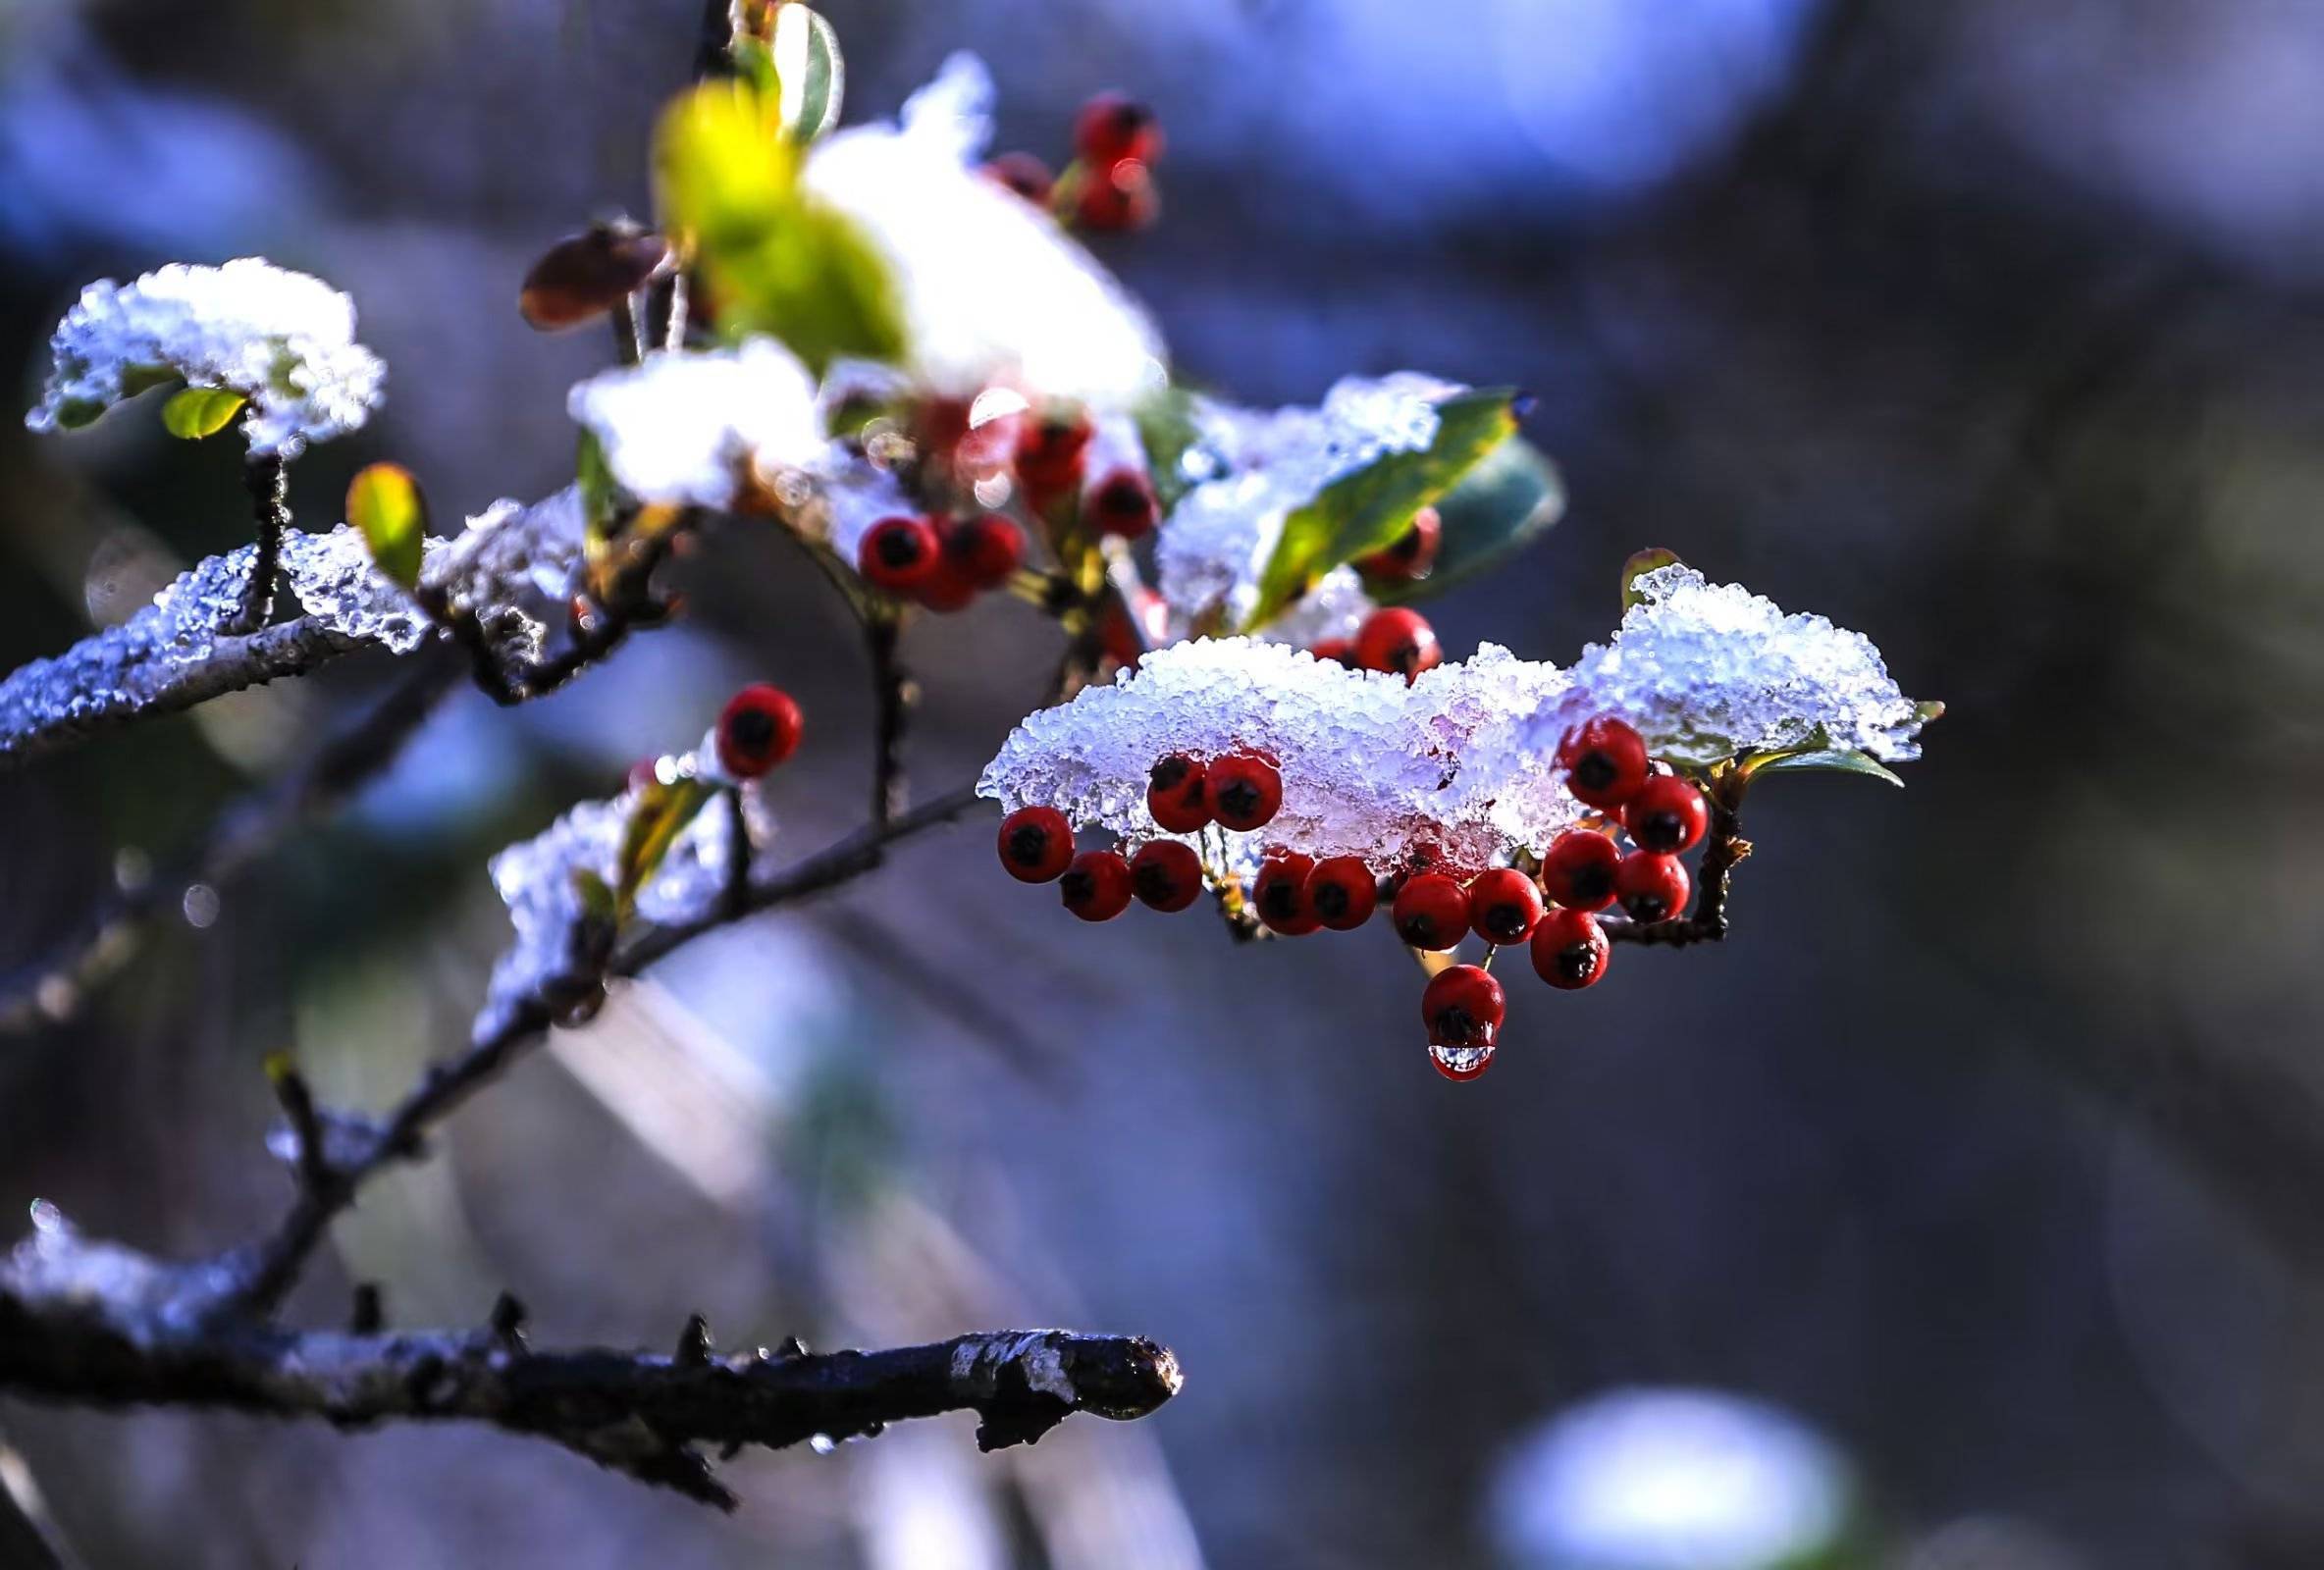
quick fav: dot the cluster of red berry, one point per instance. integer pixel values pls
(1109, 185)
(1553, 911)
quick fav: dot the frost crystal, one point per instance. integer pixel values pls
(536, 879)
(688, 426)
(1370, 767)
(991, 289)
(515, 568)
(1257, 467)
(1707, 670)
(283, 339)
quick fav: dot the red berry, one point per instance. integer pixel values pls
(1604, 761)
(1244, 791)
(1279, 893)
(1569, 949)
(758, 729)
(984, 549)
(1166, 875)
(949, 587)
(1397, 640)
(1122, 503)
(1036, 844)
(1096, 886)
(1412, 554)
(1504, 904)
(1050, 452)
(898, 554)
(1112, 127)
(1431, 912)
(1578, 870)
(1338, 650)
(1116, 199)
(1462, 1007)
(1666, 815)
(1341, 892)
(1652, 887)
(1176, 795)
(1023, 174)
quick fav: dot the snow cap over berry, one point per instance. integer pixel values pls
(283, 341)
(991, 289)
(1706, 671)
(1370, 767)
(688, 426)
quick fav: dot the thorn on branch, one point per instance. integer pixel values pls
(507, 1320)
(369, 1315)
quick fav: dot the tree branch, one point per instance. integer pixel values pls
(1723, 847)
(892, 693)
(269, 480)
(94, 1324)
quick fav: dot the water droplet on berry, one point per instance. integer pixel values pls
(1460, 1063)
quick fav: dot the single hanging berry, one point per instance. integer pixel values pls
(1504, 904)
(1397, 640)
(1244, 791)
(1569, 949)
(1604, 761)
(1412, 554)
(1668, 814)
(1122, 503)
(1279, 893)
(1112, 127)
(1577, 871)
(1036, 844)
(1341, 892)
(1049, 454)
(1651, 886)
(1177, 794)
(984, 549)
(1097, 886)
(758, 729)
(1463, 1005)
(898, 555)
(1431, 912)
(1166, 875)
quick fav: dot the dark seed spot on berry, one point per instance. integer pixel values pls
(1456, 1026)
(1028, 845)
(898, 547)
(1172, 771)
(1279, 898)
(1593, 884)
(1661, 831)
(1576, 961)
(1504, 923)
(1076, 889)
(1155, 886)
(1420, 932)
(1240, 798)
(751, 731)
(1594, 771)
(1646, 908)
(1330, 901)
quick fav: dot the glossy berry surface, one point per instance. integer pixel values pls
(1412, 554)
(898, 554)
(1122, 503)
(1605, 762)
(1177, 794)
(947, 588)
(758, 730)
(1036, 844)
(1341, 892)
(1462, 1007)
(1096, 886)
(1112, 127)
(1651, 886)
(1244, 791)
(1504, 904)
(1050, 452)
(984, 549)
(1166, 875)
(1397, 640)
(1569, 949)
(1668, 814)
(1577, 871)
(1116, 199)
(1278, 894)
(1338, 650)
(1431, 912)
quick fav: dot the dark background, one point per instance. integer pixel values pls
(1988, 1145)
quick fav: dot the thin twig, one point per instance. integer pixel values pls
(892, 694)
(1724, 847)
(267, 478)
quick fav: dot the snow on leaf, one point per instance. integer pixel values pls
(688, 426)
(1707, 670)
(993, 290)
(283, 341)
(1370, 767)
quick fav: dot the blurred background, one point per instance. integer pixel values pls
(1961, 1213)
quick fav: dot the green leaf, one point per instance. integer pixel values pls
(1166, 429)
(136, 379)
(600, 492)
(384, 503)
(1828, 761)
(810, 72)
(1642, 562)
(195, 412)
(1366, 512)
(660, 817)
(1493, 513)
(723, 173)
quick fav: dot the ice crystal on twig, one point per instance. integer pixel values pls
(1707, 670)
(692, 427)
(1257, 467)
(1370, 767)
(284, 340)
(515, 569)
(992, 291)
